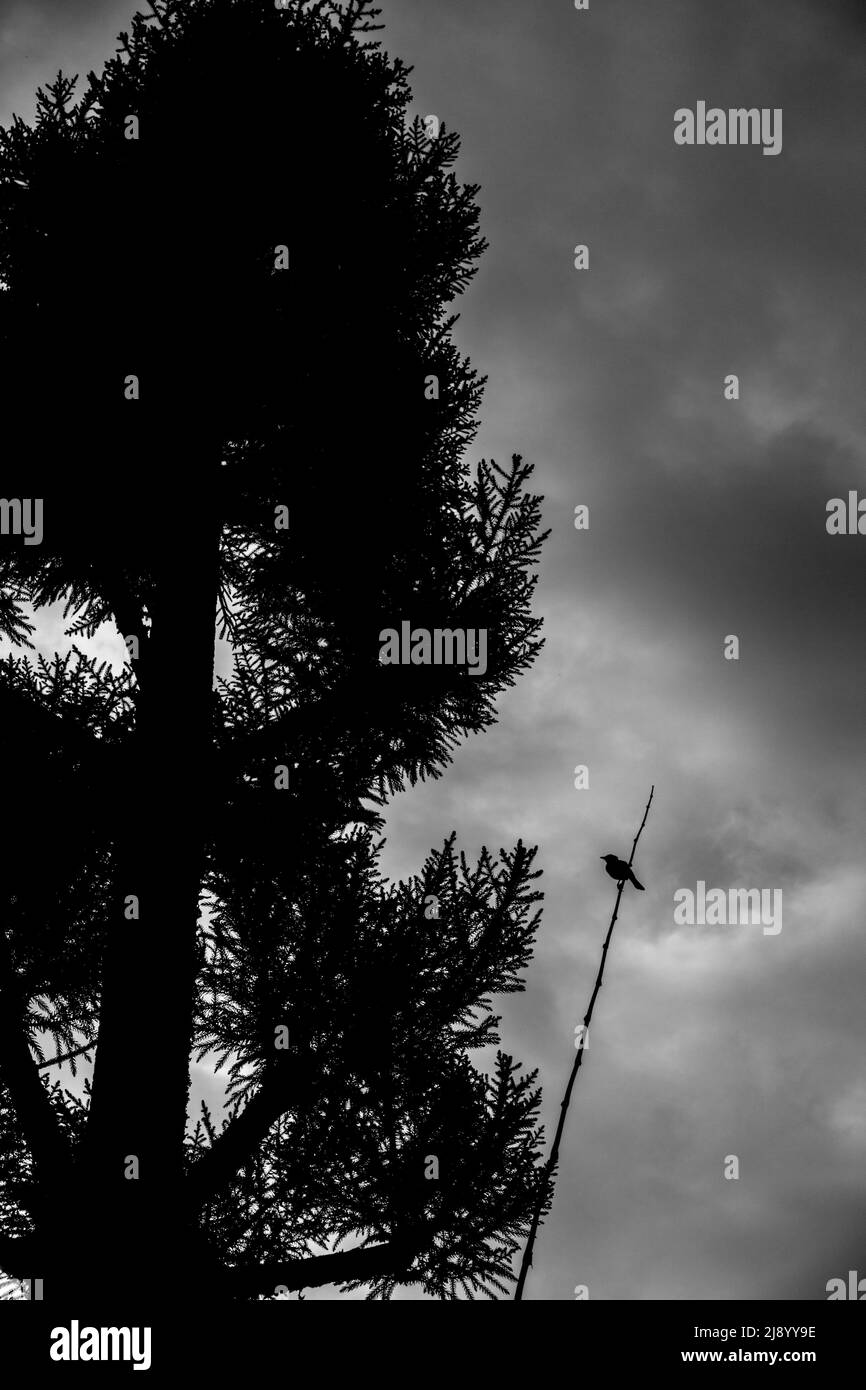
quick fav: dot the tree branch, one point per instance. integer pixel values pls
(243, 1137)
(129, 618)
(29, 718)
(67, 1056)
(20, 1075)
(20, 1255)
(344, 1267)
(526, 1262)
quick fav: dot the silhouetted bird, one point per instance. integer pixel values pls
(618, 869)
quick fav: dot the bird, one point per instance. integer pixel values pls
(619, 870)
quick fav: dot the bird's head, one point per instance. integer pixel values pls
(606, 857)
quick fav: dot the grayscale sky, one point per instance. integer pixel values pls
(707, 518)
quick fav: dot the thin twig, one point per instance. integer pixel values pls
(67, 1056)
(526, 1262)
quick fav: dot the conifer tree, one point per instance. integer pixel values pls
(227, 274)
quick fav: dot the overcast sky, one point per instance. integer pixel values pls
(707, 518)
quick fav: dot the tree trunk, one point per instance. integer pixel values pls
(124, 1223)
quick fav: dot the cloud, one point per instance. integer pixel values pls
(707, 518)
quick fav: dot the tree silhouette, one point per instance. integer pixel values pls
(226, 342)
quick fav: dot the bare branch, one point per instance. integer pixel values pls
(550, 1166)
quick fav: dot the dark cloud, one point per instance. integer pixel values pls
(707, 518)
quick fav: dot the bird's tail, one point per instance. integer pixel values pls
(635, 882)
